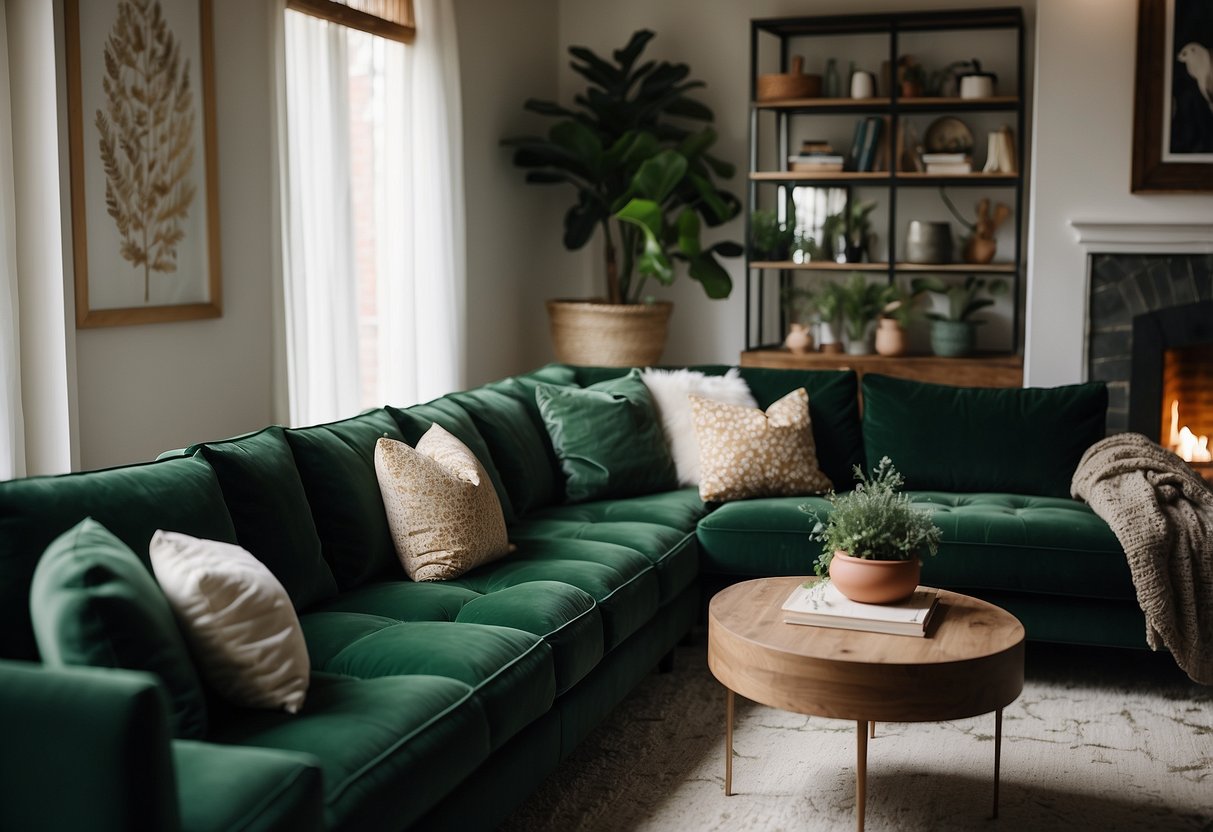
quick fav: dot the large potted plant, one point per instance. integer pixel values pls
(954, 332)
(644, 178)
(873, 538)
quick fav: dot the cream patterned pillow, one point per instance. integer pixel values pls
(237, 617)
(441, 506)
(746, 453)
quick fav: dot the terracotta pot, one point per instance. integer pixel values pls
(890, 337)
(980, 250)
(799, 339)
(874, 581)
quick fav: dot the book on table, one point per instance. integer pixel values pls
(822, 605)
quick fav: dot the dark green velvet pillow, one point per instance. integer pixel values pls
(94, 604)
(337, 465)
(1021, 441)
(608, 439)
(270, 511)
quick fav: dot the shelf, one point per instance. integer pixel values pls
(829, 266)
(981, 370)
(860, 105)
(907, 178)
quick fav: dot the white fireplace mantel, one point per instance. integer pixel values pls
(1143, 237)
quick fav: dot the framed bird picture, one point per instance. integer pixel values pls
(141, 128)
(1173, 107)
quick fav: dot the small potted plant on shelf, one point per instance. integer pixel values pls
(829, 308)
(861, 303)
(873, 538)
(895, 317)
(980, 244)
(913, 78)
(801, 303)
(953, 333)
(769, 238)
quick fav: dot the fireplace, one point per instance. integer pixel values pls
(1150, 337)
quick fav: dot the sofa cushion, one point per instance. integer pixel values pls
(336, 463)
(510, 672)
(608, 439)
(238, 619)
(746, 453)
(1029, 440)
(181, 494)
(768, 537)
(516, 445)
(1012, 542)
(94, 604)
(621, 581)
(566, 617)
(443, 512)
(370, 736)
(270, 511)
(416, 420)
(227, 787)
(679, 509)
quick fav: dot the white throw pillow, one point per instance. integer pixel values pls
(441, 506)
(238, 619)
(671, 390)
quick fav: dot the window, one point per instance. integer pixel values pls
(362, 296)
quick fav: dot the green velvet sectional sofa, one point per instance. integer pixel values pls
(442, 705)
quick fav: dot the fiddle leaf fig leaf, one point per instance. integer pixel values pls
(688, 232)
(659, 175)
(711, 275)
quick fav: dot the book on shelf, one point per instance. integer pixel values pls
(881, 162)
(867, 153)
(945, 158)
(861, 127)
(950, 168)
(815, 146)
(815, 162)
(820, 604)
(1000, 152)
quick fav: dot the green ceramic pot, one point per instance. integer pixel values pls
(952, 339)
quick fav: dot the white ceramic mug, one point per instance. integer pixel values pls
(976, 86)
(862, 85)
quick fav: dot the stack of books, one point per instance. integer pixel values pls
(948, 163)
(816, 157)
(866, 144)
(822, 605)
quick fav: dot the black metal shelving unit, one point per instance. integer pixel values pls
(891, 25)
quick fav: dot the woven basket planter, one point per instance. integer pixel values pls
(596, 333)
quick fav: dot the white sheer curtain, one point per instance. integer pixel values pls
(418, 220)
(12, 431)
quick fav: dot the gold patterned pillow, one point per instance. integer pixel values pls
(441, 507)
(746, 453)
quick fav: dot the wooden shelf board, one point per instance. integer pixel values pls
(980, 370)
(928, 102)
(822, 103)
(986, 268)
(922, 102)
(992, 177)
(905, 176)
(820, 265)
(792, 176)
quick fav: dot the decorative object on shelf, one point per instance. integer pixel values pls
(861, 303)
(953, 333)
(799, 340)
(980, 245)
(975, 83)
(1173, 98)
(774, 86)
(1000, 152)
(942, 81)
(898, 311)
(868, 529)
(928, 242)
(911, 76)
(616, 146)
(829, 306)
(948, 134)
(863, 84)
(769, 238)
(831, 87)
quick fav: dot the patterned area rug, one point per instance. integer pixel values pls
(1099, 740)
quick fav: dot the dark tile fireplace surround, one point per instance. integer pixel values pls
(1140, 306)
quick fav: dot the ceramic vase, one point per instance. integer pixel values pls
(874, 581)
(861, 345)
(952, 339)
(890, 337)
(799, 339)
(980, 250)
(829, 339)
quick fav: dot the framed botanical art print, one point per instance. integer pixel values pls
(1173, 111)
(141, 125)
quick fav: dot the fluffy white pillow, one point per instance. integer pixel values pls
(671, 391)
(441, 507)
(238, 619)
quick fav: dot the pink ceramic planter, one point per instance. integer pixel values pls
(874, 581)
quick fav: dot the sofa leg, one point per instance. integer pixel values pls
(666, 665)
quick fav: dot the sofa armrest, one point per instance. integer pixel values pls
(84, 748)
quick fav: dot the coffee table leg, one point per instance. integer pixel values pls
(728, 742)
(861, 771)
(997, 754)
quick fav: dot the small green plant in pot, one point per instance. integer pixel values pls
(873, 538)
(954, 332)
(769, 238)
(861, 303)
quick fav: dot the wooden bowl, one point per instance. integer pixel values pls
(795, 84)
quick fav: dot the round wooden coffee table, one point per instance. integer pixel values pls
(970, 663)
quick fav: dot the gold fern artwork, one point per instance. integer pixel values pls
(146, 126)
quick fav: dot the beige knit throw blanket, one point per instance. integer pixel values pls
(1161, 511)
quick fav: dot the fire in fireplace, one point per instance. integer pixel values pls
(1187, 399)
